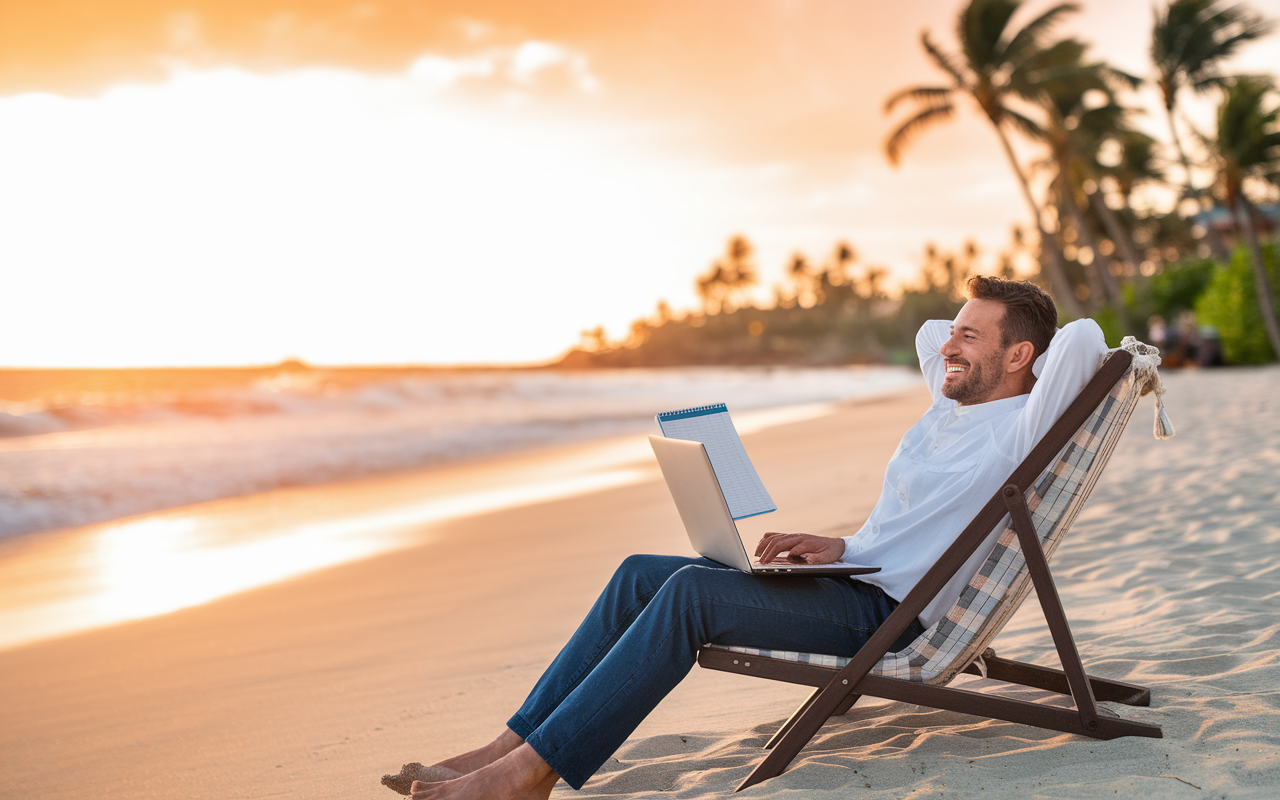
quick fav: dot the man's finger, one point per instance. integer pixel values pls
(766, 539)
(776, 545)
(770, 536)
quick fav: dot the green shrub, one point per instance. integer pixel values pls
(1230, 303)
(1109, 321)
(1179, 286)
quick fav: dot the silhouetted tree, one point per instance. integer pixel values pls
(1190, 40)
(723, 287)
(992, 68)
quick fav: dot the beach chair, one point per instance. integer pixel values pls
(1037, 504)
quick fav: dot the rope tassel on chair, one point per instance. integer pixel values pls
(1145, 360)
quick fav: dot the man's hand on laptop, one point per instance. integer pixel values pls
(801, 548)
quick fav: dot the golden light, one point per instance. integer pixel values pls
(132, 569)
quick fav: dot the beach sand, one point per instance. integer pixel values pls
(317, 686)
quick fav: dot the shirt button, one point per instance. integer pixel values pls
(875, 528)
(902, 496)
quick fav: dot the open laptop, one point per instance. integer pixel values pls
(712, 532)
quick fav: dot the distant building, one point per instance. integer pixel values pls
(1221, 220)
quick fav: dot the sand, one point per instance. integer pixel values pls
(317, 686)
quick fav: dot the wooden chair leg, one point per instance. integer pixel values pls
(845, 705)
(1051, 605)
(843, 708)
(791, 720)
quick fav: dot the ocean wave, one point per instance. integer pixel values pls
(103, 458)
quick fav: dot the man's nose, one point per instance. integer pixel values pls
(949, 347)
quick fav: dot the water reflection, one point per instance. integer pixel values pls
(68, 581)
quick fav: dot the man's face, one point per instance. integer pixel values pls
(974, 355)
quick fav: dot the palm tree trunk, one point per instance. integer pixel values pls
(1216, 245)
(1100, 278)
(1260, 282)
(1188, 189)
(1123, 240)
(1097, 293)
(1053, 264)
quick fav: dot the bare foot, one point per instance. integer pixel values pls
(409, 773)
(519, 775)
(454, 767)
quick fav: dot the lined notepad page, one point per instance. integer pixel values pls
(743, 490)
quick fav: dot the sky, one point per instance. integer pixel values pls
(383, 181)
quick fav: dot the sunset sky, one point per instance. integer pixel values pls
(205, 182)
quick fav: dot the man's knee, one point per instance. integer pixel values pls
(689, 583)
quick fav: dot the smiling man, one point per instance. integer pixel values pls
(1000, 376)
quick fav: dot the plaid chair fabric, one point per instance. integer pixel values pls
(1001, 584)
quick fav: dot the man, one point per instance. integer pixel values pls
(643, 633)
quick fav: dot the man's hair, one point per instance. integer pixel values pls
(1029, 312)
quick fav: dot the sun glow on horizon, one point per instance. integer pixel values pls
(466, 190)
(226, 217)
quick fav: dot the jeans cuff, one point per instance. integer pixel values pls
(520, 727)
(567, 772)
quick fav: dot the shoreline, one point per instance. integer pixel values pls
(62, 582)
(109, 459)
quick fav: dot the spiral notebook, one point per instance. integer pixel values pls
(743, 490)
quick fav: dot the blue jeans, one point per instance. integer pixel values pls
(643, 634)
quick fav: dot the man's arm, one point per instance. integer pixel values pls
(805, 548)
(929, 341)
(1074, 355)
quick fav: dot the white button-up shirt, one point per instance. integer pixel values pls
(956, 457)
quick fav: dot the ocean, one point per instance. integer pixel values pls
(96, 457)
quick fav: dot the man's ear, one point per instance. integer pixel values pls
(1020, 356)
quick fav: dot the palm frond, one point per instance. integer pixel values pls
(1022, 122)
(1209, 81)
(1118, 77)
(1104, 120)
(1192, 38)
(924, 95)
(944, 61)
(1030, 39)
(1058, 63)
(981, 28)
(907, 131)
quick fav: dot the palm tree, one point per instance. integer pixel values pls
(1075, 128)
(724, 286)
(1136, 164)
(1189, 42)
(991, 69)
(1247, 147)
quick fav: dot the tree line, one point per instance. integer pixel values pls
(1099, 252)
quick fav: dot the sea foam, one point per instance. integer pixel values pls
(104, 458)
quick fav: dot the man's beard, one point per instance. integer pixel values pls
(976, 385)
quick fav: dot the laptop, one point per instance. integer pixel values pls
(705, 513)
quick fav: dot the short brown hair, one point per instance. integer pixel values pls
(1029, 312)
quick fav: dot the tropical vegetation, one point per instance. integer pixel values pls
(1091, 240)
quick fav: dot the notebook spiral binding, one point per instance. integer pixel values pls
(692, 412)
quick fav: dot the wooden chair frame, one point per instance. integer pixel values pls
(839, 689)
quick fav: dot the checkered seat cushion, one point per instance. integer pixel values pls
(1001, 584)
